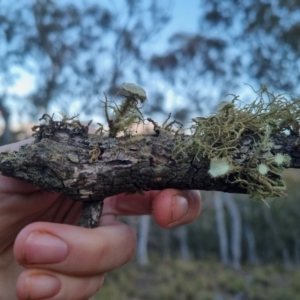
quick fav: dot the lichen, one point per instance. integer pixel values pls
(170, 127)
(69, 124)
(124, 115)
(134, 90)
(94, 154)
(216, 137)
(219, 167)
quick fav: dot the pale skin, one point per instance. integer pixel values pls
(44, 256)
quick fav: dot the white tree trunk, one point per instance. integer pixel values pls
(166, 243)
(142, 249)
(251, 245)
(221, 227)
(184, 248)
(297, 252)
(236, 229)
(286, 258)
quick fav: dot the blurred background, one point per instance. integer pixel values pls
(187, 54)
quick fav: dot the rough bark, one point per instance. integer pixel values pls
(89, 167)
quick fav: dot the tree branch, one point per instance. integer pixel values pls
(90, 167)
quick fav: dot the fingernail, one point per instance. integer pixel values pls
(179, 208)
(41, 286)
(41, 247)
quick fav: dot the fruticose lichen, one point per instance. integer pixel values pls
(218, 136)
(128, 113)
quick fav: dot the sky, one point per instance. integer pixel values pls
(184, 18)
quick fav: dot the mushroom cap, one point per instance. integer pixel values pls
(135, 90)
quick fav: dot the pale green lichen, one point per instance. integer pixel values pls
(263, 169)
(171, 127)
(124, 115)
(216, 138)
(218, 167)
(282, 160)
(135, 91)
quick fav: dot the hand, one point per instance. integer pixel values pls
(42, 255)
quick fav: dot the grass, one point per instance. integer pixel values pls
(203, 280)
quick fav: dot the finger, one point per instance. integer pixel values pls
(13, 186)
(173, 207)
(10, 185)
(169, 207)
(129, 204)
(41, 284)
(16, 146)
(74, 250)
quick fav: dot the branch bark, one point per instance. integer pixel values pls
(89, 167)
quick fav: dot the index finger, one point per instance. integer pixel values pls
(169, 207)
(11, 185)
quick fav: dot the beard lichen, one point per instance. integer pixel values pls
(125, 114)
(220, 136)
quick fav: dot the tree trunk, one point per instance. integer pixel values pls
(251, 245)
(297, 251)
(6, 137)
(142, 245)
(221, 227)
(236, 230)
(166, 244)
(277, 238)
(183, 243)
(286, 258)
